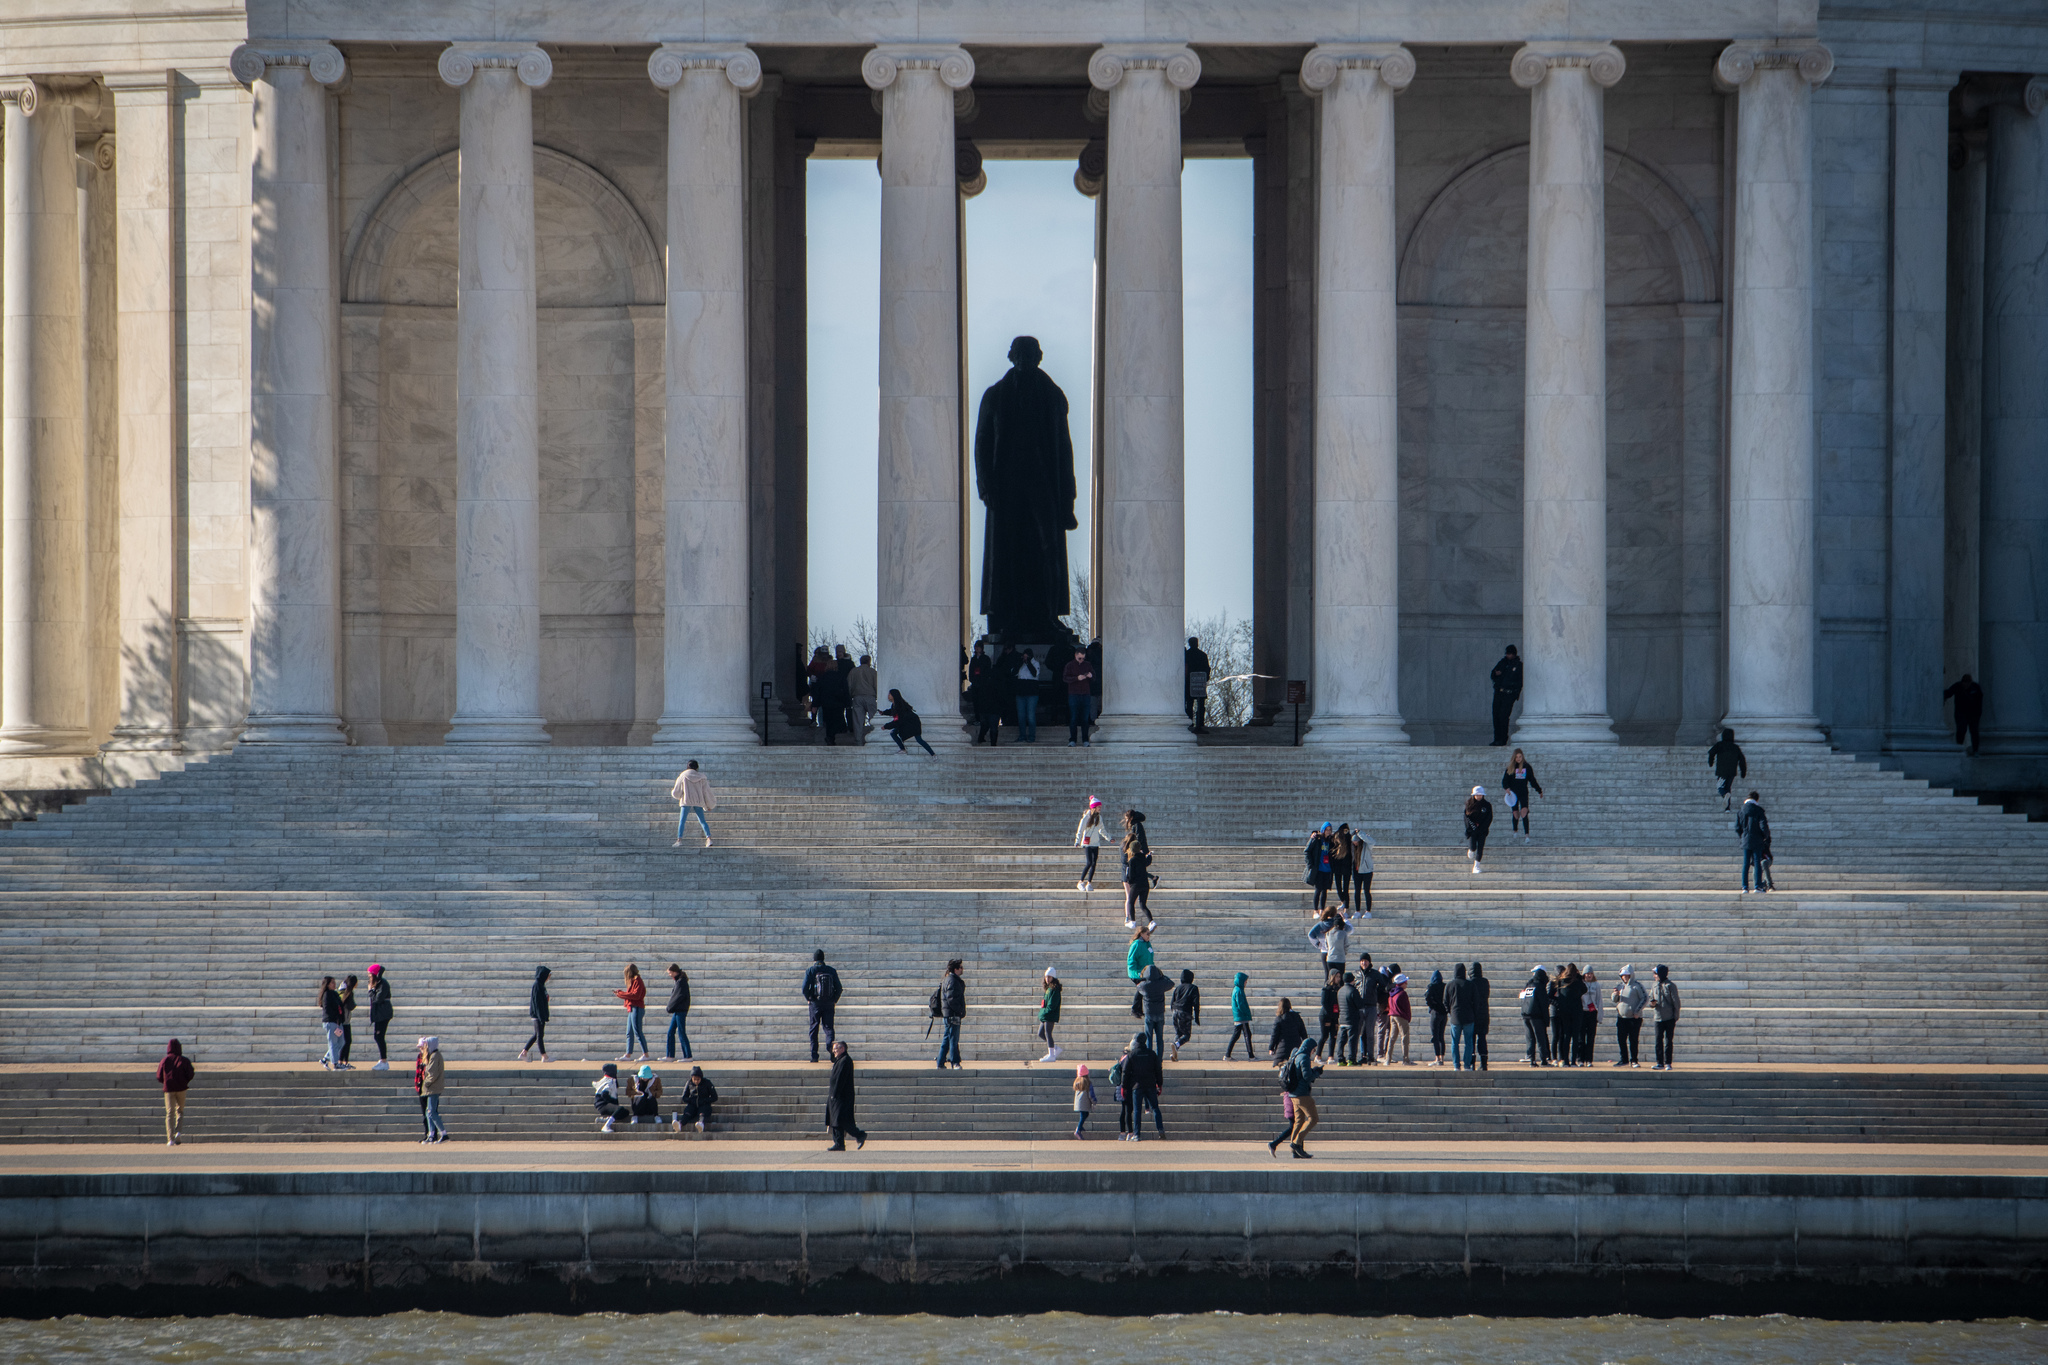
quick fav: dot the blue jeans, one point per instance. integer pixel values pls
(1753, 857)
(949, 1042)
(1027, 717)
(675, 1035)
(1148, 1098)
(636, 1027)
(1462, 1057)
(683, 818)
(1080, 711)
(430, 1116)
(1155, 1033)
(333, 1044)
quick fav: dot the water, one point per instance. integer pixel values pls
(1039, 1339)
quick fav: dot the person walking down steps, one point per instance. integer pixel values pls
(1049, 1014)
(692, 791)
(1728, 761)
(1519, 780)
(1089, 836)
(174, 1074)
(839, 1102)
(1084, 1098)
(1478, 820)
(537, 1010)
(429, 1072)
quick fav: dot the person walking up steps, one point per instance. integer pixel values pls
(822, 989)
(174, 1074)
(1138, 957)
(1520, 780)
(904, 724)
(1298, 1078)
(1433, 1001)
(634, 998)
(1152, 993)
(1137, 874)
(862, 688)
(1753, 828)
(1084, 1098)
(1727, 760)
(678, 1013)
(952, 1002)
(1240, 1020)
(839, 1102)
(429, 1072)
(1478, 820)
(380, 1014)
(1629, 999)
(692, 791)
(537, 1010)
(1186, 1008)
(1049, 1013)
(1089, 836)
(1664, 1000)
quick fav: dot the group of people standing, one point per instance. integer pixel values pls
(1561, 1015)
(338, 1006)
(839, 694)
(1009, 688)
(1341, 857)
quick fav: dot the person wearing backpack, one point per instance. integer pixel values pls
(1186, 1008)
(1084, 1098)
(1049, 1014)
(822, 989)
(1297, 1079)
(949, 1005)
(1240, 1020)
(174, 1074)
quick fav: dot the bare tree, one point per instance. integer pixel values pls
(1078, 620)
(1228, 644)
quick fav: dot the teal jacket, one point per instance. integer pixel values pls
(1240, 1008)
(1138, 959)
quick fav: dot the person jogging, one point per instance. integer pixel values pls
(1728, 761)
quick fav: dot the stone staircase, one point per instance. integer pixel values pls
(1910, 925)
(1210, 1102)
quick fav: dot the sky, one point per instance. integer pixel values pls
(1030, 271)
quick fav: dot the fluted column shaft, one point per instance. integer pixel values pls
(1144, 565)
(705, 514)
(1564, 405)
(919, 452)
(1357, 694)
(2013, 584)
(42, 440)
(497, 415)
(294, 522)
(1771, 624)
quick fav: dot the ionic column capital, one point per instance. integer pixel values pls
(460, 61)
(669, 62)
(1107, 67)
(31, 93)
(1603, 62)
(1739, 61)
(1394, 64)
(2028, 93)
(323, 61)
(880, 66)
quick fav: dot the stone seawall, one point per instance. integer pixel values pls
(1289, 1240)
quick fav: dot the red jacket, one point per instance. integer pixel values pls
(174, 1072)
(1397, 1004)
(634, 995)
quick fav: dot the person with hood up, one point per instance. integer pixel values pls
(1240, 1020)
(1351, 1021)
(605, 1096)
(1536, 1015)
(646, 1089)
(1567, 1012)
(699, 1094)
(1753, 827)
(537, 1010)
(1664, 1000)
(1458, 1008)
(1629, 999)
(1154, 990)
(692, 793)
(428, 1074)
(904, 724)
(1727, 760)
(1289, 1032)
(678, 1012)
(1084, 1098)
(1049, 1013)
(380, 1013)
(1433, 1001)
(822, 989)
(1138, 956)
(1482, 993)
(1089, 836)
(1478, 820)
(1186, 1008)
(1318, 853)
(1144, 1077)
(839, 1102)
(174, 1074)
(1297, 1079)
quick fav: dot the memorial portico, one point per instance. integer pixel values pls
(507, 446)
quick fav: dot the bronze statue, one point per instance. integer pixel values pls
(1024, 474)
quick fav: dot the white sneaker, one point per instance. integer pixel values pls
(700, 1125)
(608, 1123)
(1054, 1055)
(522, 1054)
(1475, 869)
(1046, 1058)
(1128, 924)
(707, 842)
(386, 1066)
(677, 844)
(1080, 886)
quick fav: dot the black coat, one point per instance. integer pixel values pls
(903, 721)
(679, 997)
(821, 984)
(1482, 991)
(1537, 1004)
(330, 1007)
(839, 1094)
(1969, 699)
(537, 999)
(1331, 997)
(1728, 759)
(1478, 819)
(1507, 675)
(1458, 1001)
(1288, 1033)
(1351, 1007)
(1143, 1070)
(1433, 998)
(380, 1000)
(953, 997)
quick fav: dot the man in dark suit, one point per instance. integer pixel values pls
(1507, 690)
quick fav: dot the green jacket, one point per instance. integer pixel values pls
(1240, 1008)
(1138, 959)
(1049, 1012)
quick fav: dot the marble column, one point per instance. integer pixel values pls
(918, 589)
(705, 662)
(497, 415)
(43, 695)
(1962, 500)
(1564, 405)
(295, 325)
(1141, 596)
(1771, 458)
(2013, 585)
(1357, 690)
(1919, 400)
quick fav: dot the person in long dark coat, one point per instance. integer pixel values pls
(1024, 475)
(839, 1103)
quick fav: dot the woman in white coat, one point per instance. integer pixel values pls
(1089, 836)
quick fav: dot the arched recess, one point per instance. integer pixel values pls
(404, 250)
(599, 287)
(1472, 238)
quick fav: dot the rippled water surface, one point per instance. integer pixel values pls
(1042, 1339)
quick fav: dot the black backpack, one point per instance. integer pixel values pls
(1290, 1075)
(829, 989)
(938, 1006)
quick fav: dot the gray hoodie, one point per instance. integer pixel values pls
(1666, 996)
(1629, 999)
